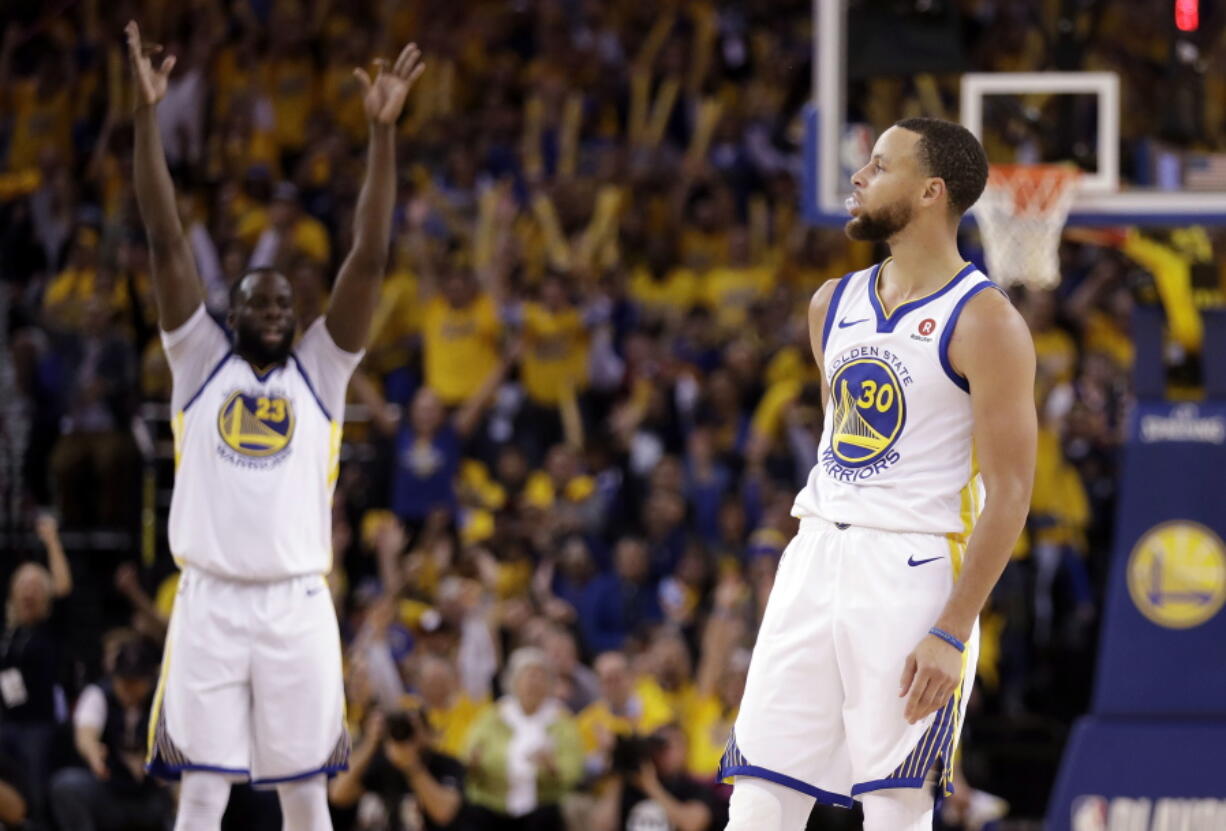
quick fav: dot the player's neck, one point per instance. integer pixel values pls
(260, 364)
(921, 261)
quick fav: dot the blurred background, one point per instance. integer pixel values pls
(588, 399)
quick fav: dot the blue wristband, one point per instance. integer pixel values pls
(948, 638)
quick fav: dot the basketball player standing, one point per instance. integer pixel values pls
(866, 654)
(251, 683)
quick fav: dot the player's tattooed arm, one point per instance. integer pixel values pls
(357, 285)
(176, 284)
(993, 350)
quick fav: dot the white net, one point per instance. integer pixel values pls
(1020, 215)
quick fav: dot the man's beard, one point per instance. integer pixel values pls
(881, 225)
(250, 344)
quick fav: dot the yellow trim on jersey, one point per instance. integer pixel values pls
(956, 552)
(335, 429)
(971, 499)
(890, 312)
(156, 711)
(340, 645)
(947, 763)
(966, 513)
(967, 510)
(176, 429)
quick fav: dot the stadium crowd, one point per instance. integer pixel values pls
(574, 440)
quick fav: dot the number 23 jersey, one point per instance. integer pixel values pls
(256, 453)
(896, 446)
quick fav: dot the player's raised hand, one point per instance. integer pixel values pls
(150, 83)
(384, 96)
(930, 676)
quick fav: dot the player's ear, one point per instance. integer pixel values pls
(934, 189)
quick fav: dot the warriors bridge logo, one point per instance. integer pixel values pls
(1177, 574)
(256, 426)
(869, 414)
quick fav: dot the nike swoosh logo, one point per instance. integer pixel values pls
(315, 591)
(911, 561)
(843, 324)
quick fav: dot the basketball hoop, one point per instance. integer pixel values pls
(1020, 215)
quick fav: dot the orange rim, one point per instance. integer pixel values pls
(1036, 188)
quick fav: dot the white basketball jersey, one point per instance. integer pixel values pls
(895, 452)
(255, 454)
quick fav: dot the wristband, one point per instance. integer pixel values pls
(948, 638)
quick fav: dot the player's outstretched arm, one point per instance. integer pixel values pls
(993, 350)
(176, 285)
(357, 285)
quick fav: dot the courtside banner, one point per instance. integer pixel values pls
(1163, 648)
(1152, 757)
(1129, 775)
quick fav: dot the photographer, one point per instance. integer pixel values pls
(650, 789)
(393, 761)
(111, 723)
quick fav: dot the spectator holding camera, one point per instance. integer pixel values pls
(523, 753)
(620, 711)
(110, 725)
(650, 788)
(396, 763)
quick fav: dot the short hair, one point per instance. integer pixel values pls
(610, 655)
(43, 575)
(521, 659)
(949, 151)
(38, 570)
(237, 285)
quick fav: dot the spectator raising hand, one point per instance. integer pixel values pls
(32, 666)
(569, 265)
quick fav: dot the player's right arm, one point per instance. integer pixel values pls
(176, 284)
(819, 307)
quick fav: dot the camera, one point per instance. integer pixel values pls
(629, 752)
(399, 726)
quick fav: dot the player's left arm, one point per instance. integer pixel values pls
(993, 350)
(356, 293)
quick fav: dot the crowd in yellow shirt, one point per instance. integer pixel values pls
(591, 343)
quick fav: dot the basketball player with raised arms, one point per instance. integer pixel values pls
(251, 685)
(864, 660)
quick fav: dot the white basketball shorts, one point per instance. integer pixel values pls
(821, 712)
(251, 684)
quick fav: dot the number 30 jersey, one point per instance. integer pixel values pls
(256, 453)
(896, 451)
